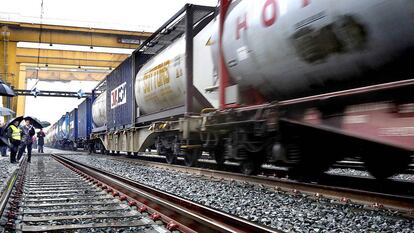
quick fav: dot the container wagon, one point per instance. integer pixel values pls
(299, 84)
(84, 124)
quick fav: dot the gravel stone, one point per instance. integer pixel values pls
(6, 170)
(353, 172)
(276, 209)
(43, 193)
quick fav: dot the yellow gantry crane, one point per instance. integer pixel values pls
(17, 64)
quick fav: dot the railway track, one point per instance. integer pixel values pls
(391, 187)
(54, 194)
(358, 165)
(376, 192)
(239, 195)
(54, 198)
(373, 194)
(348, 163)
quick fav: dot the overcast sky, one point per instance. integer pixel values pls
(122, 14)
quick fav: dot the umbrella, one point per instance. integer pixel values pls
(4, 141)
(45, 124)
(6, 112)
(19, 119)
(5, 90)
(35, 122)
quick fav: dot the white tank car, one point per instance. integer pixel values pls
(160, 83)
(292, 48)
(99, 110)
(51, 133)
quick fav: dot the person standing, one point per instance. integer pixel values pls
(3, 132)
(34, 142)
(40, 141)
(15, 136)
(27, 140)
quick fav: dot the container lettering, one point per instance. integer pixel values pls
(118, 96)
(156, 77)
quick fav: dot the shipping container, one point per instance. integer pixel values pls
(63, 132)
(99, 113)
(120, 102)
(60, 122)
(173, 67)
(84, 119)
(73, 125)
(165, 79)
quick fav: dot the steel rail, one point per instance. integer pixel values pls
(401, 203)
(389, 186)
(192, 215)
(11, 181)
(7, 191)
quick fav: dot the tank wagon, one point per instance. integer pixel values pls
(295, 83)
(99, 118)
(159, 65)
(50, 139)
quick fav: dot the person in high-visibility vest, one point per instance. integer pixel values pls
(15, 136)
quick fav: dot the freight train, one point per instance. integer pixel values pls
(300, 83)
(73, 129)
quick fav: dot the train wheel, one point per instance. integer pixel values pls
(191, 157)
(129, 154)
(383, 164)
(314, 159)
(170, 158)
(135, 154)
(218, 155)
(219, 158)
(250, 167)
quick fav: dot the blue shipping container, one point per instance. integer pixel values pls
(59, 128)
(63, 127)
(73, 125)
(84, 119)
(119, 96)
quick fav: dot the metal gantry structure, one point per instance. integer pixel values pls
(70, 94)
(15, 61)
